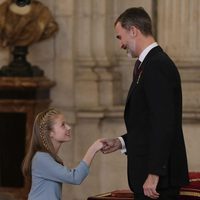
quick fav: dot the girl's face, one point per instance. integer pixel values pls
(61, 131)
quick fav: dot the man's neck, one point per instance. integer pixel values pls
(144, 42)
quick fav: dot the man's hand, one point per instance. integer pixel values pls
(111, 145)
(150, 185)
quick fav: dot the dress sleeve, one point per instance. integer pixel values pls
(46, 167)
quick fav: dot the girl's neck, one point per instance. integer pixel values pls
(56, 146)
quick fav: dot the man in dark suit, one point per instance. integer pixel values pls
(154, 142)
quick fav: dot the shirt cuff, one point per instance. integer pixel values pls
(123, 149)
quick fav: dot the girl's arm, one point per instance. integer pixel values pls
(93, 149)
(44, 166)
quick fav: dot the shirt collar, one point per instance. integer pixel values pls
(146, 51)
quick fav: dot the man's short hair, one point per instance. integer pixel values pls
(137, 17)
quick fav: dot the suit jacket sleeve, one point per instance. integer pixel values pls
(159, 81)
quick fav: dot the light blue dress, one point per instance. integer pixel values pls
(48, 176)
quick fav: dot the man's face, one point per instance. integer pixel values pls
(126, 39)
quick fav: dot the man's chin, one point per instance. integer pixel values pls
(129, 55)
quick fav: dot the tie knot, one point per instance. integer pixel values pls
(137, 63)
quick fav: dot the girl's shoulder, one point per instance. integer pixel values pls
(42, 156)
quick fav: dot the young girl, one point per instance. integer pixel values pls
(42, 164)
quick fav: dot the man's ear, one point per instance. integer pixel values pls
(133, 31)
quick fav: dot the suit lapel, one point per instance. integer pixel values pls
(134, 83)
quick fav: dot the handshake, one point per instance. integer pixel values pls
(107, 145)
(104, 145)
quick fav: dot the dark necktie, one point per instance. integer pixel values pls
(136, 68)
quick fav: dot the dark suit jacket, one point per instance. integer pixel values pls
(153, 118)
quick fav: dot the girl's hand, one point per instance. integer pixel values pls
(93, 149)
(97, 145)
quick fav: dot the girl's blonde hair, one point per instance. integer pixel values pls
(40, 139)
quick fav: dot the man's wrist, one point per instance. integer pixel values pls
(123, 146)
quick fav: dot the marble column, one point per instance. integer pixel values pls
(86, 78)
(179, 36)
(103, 44)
